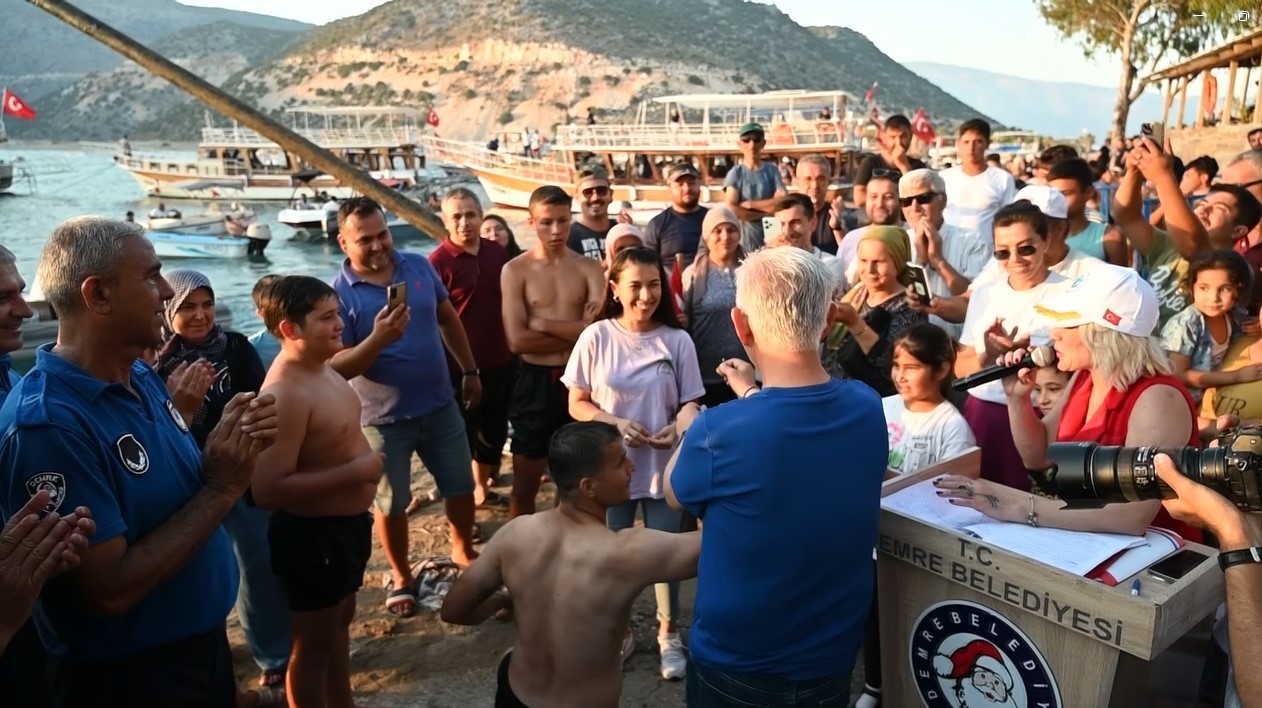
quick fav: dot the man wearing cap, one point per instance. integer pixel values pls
(593, 194)
(752, 186)
(812, 177)
(951, 255)
(677, 230)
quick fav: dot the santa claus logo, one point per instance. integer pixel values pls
(965, 655)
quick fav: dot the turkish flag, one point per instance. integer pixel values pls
(922, 128)
(867, 97)
(16, 107)
(432, 118)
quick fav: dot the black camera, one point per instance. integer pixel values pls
(1090, 475)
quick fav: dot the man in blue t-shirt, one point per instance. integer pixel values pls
(395, 361)
(785, 578)
(91, 425)
(752, 186)
(677, 230)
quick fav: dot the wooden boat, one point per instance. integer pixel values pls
(238, 164)
(635, 155)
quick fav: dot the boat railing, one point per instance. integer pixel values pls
(345, 138)
(475, 157)
(721, 136)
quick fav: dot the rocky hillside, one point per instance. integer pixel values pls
(487, 65)
(39, 53)
(129, 100)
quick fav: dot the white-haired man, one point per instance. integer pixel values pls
(812, 177)
(838, 441)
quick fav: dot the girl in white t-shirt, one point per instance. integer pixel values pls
(635, 368)
(924, 429)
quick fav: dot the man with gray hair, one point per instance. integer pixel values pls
(950, 255)
(91, 425)
(729, 472)
(813, 175)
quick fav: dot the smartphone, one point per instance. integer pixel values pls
(770, 230)
(919, 282)
(397, 296)
(1170, 569)
(1155, 132)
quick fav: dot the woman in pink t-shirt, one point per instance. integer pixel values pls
(636, 368)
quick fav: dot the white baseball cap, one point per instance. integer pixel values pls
(1049, 201)
(1108, 295)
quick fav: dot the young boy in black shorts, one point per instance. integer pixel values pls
(320, 476)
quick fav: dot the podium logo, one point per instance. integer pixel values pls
(965, 655)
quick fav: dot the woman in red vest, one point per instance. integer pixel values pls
(1121, 393)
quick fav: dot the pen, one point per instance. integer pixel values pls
(1135, 588)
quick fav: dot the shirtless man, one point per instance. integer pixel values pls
(550, 294)
(572, 579)
(320, 476)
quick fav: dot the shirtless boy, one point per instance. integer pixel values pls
(550, 294)
(320, 476)
(572, 580)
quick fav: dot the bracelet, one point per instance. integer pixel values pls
(1032, 518)
(751, 389)
(1240, 557)
(472, 372)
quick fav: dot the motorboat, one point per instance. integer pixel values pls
(213, 223)
(174, 244)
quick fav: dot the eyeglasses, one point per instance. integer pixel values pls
(753, 138)
(601, 191)
(1024, 251)
(921, 199)
(1247, 185)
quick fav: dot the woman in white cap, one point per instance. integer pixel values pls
(1121, 393)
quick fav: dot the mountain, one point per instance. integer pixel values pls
(40, 54)
(489, 65)
(1054, 108)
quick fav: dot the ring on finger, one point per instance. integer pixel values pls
(968, 490)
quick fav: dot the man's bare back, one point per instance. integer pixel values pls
(551, 298)
(572, 583)
(328, 409)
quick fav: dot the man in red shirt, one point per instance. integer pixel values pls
(469, 267)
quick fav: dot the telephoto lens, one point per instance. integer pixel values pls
(1089, 475)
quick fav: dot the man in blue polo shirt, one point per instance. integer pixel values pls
(395, 361)
(143, 616)
(788, 632)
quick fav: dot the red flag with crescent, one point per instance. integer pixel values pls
(16, 107)
(922, 128)
(432, 118)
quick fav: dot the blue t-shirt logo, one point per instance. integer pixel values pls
(175, 416)
(52, 482)
(132, 453)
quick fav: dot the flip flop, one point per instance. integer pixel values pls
(494, 500)
(402, 602)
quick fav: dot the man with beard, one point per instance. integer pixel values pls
(1245, 171)
(813, 175)
(881, 207)
(1255, 139)
(587, 234)
(975, 190)
(895, 139)
(752, 186)
(677, 230)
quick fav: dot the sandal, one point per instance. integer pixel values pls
(272, 678)
(402, 602)
(494, 500)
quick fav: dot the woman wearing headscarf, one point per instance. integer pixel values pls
(709, 294)
(195, 340)
(874, 312)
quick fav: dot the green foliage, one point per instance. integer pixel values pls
(696, 80)
(557, 66)
(462, 66)
(506, 117)
(584, 81)
(612, 80)
(560, 106)
(646, 70)
(469, 94)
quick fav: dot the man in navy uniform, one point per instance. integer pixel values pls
(142, 617)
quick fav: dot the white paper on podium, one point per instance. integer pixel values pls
(1076, 552)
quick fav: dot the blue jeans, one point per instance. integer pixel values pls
(439, 439)
(709, 687)
(658, 516)
(261, 606)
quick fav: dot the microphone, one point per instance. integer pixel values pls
(1037, 357)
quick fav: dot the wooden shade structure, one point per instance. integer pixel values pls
(1243, 52)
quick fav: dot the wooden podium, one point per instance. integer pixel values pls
(966, 624)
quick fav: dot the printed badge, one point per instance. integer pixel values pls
(132, 454)
(52, 482)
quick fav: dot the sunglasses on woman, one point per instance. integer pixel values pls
(921, 199)
(1025, 251)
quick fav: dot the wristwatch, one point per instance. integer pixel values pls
(1240, 557)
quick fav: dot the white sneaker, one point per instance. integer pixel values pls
(628, 645)
(674, 665)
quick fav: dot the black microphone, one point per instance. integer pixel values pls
(1037, 357)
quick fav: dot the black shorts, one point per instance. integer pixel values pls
(319, 560)
(487, 425)
(541, 405)
(195, 672)
(504, 696)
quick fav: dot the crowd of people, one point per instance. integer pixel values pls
(156, 469)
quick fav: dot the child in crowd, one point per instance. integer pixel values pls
(1049, 382)
(924, 429)
(1198, 336)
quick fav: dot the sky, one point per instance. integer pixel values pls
(1003, 36)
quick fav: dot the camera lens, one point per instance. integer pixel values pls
(1089, 475)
